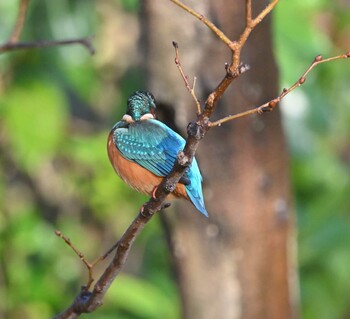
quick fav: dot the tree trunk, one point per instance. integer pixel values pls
(239, 263)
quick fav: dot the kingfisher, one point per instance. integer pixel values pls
(143, 150)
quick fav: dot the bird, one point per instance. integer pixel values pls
(143, 150)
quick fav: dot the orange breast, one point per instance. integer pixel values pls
(135, 175)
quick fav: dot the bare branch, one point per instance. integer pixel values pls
(86, 42)
(264, 13)
(269, 106)
(251, 24)
(94, 299)
(185, 78)
(17, 30)
(88, 265)
(208, 23)
(233, 70)
(12, 44)
(248, 12)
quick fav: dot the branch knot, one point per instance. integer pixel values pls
(169, 187)
(80, 302)
(183, 159)
(197, 130)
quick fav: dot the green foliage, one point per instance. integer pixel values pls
(130, 5)
(317, 122)
(150, 299)
(37, 127)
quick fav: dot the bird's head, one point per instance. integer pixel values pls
(141, 106)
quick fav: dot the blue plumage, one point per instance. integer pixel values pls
(153, 145)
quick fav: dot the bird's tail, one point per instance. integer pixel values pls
(197, 200)
(194, 189)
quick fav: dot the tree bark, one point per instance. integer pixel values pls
(239, 263)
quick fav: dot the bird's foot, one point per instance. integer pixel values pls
(142, 209)
(185, 180)
(154, 192)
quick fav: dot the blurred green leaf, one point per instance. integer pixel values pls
(130, 5)
(142, 299)
(35, 119)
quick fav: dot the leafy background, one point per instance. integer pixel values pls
(56, 108)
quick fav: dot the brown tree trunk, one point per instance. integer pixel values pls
(239, 263)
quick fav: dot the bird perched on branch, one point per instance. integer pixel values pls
(143, 150)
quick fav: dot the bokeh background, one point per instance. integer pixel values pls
(57, 106)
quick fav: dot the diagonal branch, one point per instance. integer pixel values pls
(269, 106)
(248, 12)
(17, 30)
(185, 78)
(81, 256)
(251, 24)
(89, 301)
(207, 22)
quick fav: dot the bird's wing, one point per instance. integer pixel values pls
(150, 144)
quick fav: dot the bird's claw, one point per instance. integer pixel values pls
(185, 180)
(154, 192)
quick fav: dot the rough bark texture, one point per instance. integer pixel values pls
(239, 263)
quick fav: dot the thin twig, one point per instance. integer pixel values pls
(253, 23)
(81, 256)
(89, 265)
(233, 70)
(269, 106)
(261, 16)
(111, 272)
(13, 44)
(86, 42)
(248, 12)
(185, 78)
(208, 23)
(17, 30)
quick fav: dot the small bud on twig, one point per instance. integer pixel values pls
(272, 104)
(318, 58)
